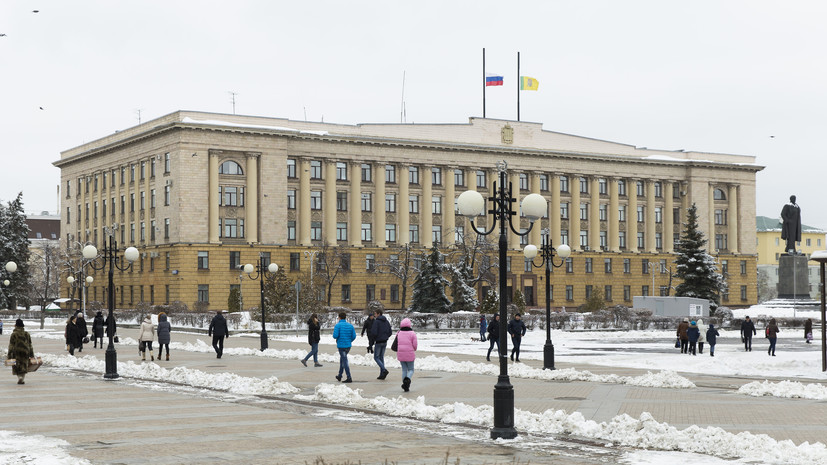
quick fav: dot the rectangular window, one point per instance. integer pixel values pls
(564, 236)
(367, 201)
(720, 217)
(291, 168)
(604, 242)
(523, 182)
(413, 204)
(584, 211)
(143, 200)
(436, 234)
(345, 261)
(603, 212)
(569, 292)
(627, 293)
(584, 239)
(589, 288)
(231, 196)
(166, 260)
(436, 205)
(390, 233)
(743, 267)
(744, 293)
(584, 185)
(151, 168)
(315, 169)
(390, 203)
(232, 228)
(295, 261)
(394, 292)
(808, 240)
(621, 213)
(639, 188)
(131, 203)
(602, 186)
(569, 265)
(370, 262)
(627, 265)
(315, 200)
(143, 232)
(413, 233)
(390, 174)
(621, 239)
(291, 230)
(413, 174)
(589, 265)
(564, 183)
(166, 228)
(644, 290)
(167, 163)
(341, 171)
(341, 231)
(345, 292)
(459, 178)
(721, 241)
(370, 292)
(459, 234)
(132, 232)
(341, 201)
(644, 266)
(481, 181)
(564, 210)
(203, 292)
(724, 267)
(151, 199)
(658, 214)
(143, 170)
(640, 213)
(315, 230)
(544, 182)
(607, 265)
(658, 189)
(235, 260)
(291, 199)
(203, 260)
(167, 192)
(366, 232)
(658, 240)
(662, 266)
(367, 173)
(131, 173)
(436, 176)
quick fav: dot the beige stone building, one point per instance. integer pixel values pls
(200, 193)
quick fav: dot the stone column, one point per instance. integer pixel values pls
(426, 214)
(354, 233)
(402, 207)
(554, 210)
(329, 205)
(212, 222)
(711, 218)
(251, 210)
(448, 212)
(668, 217)
(574, 212)
(649, 234)
(379, 205)
(631, 215)
(303, 208)
(614, 216)
(513, 239)
(594, 213)
(732, 219)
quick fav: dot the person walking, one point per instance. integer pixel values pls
(701, 336)
(97, 329)
(681, 333)
(711, 338)
(381, 330)
(72, 333)
(164, 330)
(218, 330)
(693, 334)
(483, 327)
(313, 338)
(772, 335)
(83, 331)
(20, 349)
(493, 335)
(808, 331)
(146, 334)
(1, 327)
(406, 345)
(747, 331)
(344, 334)
(516, 328)
(366, 328)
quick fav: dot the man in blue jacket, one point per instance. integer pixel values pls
(344, 333)
(381, 331)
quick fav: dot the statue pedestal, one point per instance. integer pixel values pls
(793, 277)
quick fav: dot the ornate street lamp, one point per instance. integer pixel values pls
(109, 256)
(83, 283)
(821, 257)
(547, 256)
(261, 270)
(11, 267)
(472, 204)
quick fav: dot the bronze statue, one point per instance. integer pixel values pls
(791, 225)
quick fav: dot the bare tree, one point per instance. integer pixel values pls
(400, 263)
(330, 261)
(480, 253)
(44, 275)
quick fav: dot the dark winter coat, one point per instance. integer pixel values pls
(712, 335)
(748, 327)
(693, 333)
(83, 331)
(381, 329)
(313, 332)
(20, 349)
(98, 325)
(163, 330)
(772, 331)
(681, 333)
(483, 324)
(494, 330)
(366, 327)
(516, 328)
(114, 326)
(808, 328)
(73, 335)
(218, 326)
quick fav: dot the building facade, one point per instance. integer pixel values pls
(771, 246)
(200, 194)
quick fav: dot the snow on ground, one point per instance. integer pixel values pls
(17, 448)
(778, 311)
(790, 389)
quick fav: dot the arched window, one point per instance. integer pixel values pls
(719, 195)
(230, 167)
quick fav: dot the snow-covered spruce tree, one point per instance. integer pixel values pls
(465, 296)
(490, 303)
(14, 246)
(519, 301)
(695, 267)
(429, 286)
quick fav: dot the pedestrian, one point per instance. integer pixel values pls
(366, 328)
(72, 334)
(693, 333)
(344, 334)
(146, 334)
(20, 349)
(711, 338)
(218, 330)
(516, 328)
(83, 331)
(701, 336)
(313, 338)
(381, 331)
(110, 323)
(493, 335)
(483, 327)
(681, 333)
(97, 329)
(406, 345)
(164, 330)
(747, 331)
(772, 334)
(1, 326)
(808, 330)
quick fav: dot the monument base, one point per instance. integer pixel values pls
(793, 277)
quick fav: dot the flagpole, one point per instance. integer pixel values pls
(519, 80)
(483, 82)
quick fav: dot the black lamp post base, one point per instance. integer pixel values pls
(548, 356)
(264, 343)
(111, 362)
(503, 410)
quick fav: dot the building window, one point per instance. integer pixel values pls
(367, 173)
(394, 292)
(644, 266)
(291, 167)
(721, 241)
(639, 188)
(627, 265)
(295, 261)
(291, 199)
(627, 293)
(436, 205)
(143, 202)
(640, 213)
(621, 213)
(390, 233)
(459, 234)
(203, 293)
(584, 239)
(132, 232)
(720, 217)
(459, 178)
(366, 232)
(436, 176)
(315, 200)
(345, 292)
(315, 169)
(544, 182)
(718, 194)
(564, 210)
(390, 203)
(151, 199)
(341, 231)
(569, 265)
(481, 181)
(644, 290)
(607, 265)
(621, 187)
(658, 214)
(744, 293)
(413, 204)
(235, 260)
(569, 292)
(166, 228)
(663, 291)
(602, 186)
(621, 239)
(725, 267)
(564, 236)
(167, 192)
(203, 260)
(523, 182)
(588, 291)
(167, 165)
(143, 232)
(315, 230)
(413, 174)
(131, 176)
(607, 293)
(436, 234)
(743, 267)
(414, 233)
(584, 211)
(228, 167)
(231, 196)
(658, 240)
(662, 266)
(291, 230)
(233, 227)
(584, 185)
(604, 242)
(658, 189)
(808, 239)
(341, 171)
(367, 198)
(131, 204)
(603, 212)
(390, 174)
(370, 292)
(589, 265)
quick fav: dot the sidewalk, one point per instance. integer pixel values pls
(129, 421)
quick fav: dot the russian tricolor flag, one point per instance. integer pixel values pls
(493, 80)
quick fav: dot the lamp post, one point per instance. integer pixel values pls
(547, 255)
(821, 257)
(110, 257)
(83, 283)
(10, 268)
(472, 204)
(261, 269)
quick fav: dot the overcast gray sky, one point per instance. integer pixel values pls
(743, 77)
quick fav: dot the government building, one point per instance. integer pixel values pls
(201, 193)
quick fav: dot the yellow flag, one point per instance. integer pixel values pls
(528, 83)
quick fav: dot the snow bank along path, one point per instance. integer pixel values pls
(790, 389)
(20, 448)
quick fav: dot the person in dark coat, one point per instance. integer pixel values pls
(808, 331)
(681, 333)
(163, 330)
(493, 335)
(110, 323)
(747, 331)
(693, 333)
(83, 330)
(218, 330)
(711, 338)
(366, 328)
(483, 327)
(516, 328)
(20, 349)
(73, 339)
(313, 338)
(97, 329)
(381, 330)
(772, 335)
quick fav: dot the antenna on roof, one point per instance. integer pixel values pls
(402, 115)
(138, 112)
(232, 98)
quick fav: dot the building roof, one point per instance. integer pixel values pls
(43, 227)
(767, 224)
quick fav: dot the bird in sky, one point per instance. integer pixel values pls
(2, 35)
(35, 11)
(41, 108)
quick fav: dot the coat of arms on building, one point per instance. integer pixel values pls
(507, 134)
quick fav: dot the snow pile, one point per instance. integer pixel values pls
(791, 389)
(643, 432)
(18, 448)
(228, 382)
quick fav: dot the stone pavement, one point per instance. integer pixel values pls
(132, 421)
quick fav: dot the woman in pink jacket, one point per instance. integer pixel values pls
(406, 351)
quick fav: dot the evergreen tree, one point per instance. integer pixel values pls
(465, 296)
(14, 246)
(234, 301)
(429, 286)
(595, 301)
(695, 267)
(519, 301)
(490, 303)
